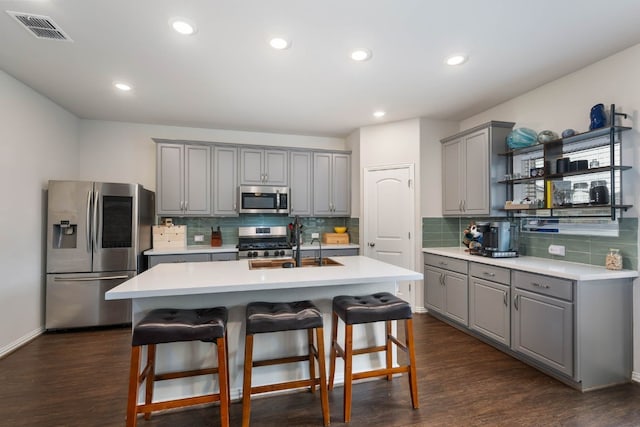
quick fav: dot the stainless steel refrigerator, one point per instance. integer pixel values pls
(96, 233)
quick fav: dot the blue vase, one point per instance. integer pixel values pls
(598, 117)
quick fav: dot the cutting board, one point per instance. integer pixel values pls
(173, 237)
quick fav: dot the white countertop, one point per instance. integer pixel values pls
(551, 267)
(206, 249)
(190, 278)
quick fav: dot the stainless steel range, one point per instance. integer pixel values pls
(263, 242)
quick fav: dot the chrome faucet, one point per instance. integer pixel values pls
(296, 233)
(320, 245)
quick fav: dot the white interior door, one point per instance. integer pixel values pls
(389, 219)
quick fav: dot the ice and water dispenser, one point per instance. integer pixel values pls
(65, 235)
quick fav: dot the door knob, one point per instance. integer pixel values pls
(371, 244)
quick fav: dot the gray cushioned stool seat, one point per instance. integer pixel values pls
(164, 325)
(371, 308)
(282, 316)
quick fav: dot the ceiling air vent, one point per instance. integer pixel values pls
(40, 26)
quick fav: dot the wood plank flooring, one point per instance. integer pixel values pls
(80, 379)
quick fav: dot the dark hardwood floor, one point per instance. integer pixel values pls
(80, 379)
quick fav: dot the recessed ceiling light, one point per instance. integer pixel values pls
(182, 26)
(378, 114)
(279, 43)
(361, 54)
(455, 59)
(122, 86)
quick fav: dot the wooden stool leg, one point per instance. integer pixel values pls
(332, 349)
(226, 359)
(389, 350)
(413, 378)
(151, 376)
(246, 386)
(223, 380)
(324, 394)
(132, 400)
(348, 359)
(312, 365)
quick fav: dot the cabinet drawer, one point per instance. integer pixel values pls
(224, 256)
(159, 259)
(446, 263)
(490, 272)
(546, 285)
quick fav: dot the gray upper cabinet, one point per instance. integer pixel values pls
(263, 167)
(331, 184)
(471, 170)
(183, 179)
(300, 164)
(225, 181)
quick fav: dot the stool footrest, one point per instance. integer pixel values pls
(184, 374)
(177, 403)
(380, 372)
(278, 361)
(285, 385)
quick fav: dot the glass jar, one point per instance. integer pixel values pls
(613, 260)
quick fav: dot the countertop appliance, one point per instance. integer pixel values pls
(263, 242)
(263, 199)
(500, 240)
(96, 233)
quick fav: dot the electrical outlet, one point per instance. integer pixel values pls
(556, 250)
(198, 238)
(315, 235)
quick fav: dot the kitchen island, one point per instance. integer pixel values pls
(233, 284)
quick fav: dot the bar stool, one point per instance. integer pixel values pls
(168, 325)
(265, 317)
(354, 310)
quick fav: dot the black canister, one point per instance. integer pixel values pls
(562, 165)
(599, 193)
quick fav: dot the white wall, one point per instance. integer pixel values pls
(39, 142)
(566, 102)
(125, 152)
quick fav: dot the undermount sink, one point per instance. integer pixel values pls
(259, 264)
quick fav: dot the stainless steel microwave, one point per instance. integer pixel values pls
(261, 199)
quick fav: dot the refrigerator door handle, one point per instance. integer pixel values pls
(96, 201)
(89, 279)
(88, 220)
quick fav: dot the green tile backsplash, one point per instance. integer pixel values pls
(442, 232)
(229, 226)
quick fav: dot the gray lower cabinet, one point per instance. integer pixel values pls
(198, 257)
(489, 302)
(225, 181)
(446, 287)
(310, 253)
(543, 324)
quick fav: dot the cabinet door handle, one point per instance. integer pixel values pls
(505, 299)
(442, 279)
(443, 263)
(539, 285)
(487, 273)
(464, 206)
(186, 206)
(515, 301)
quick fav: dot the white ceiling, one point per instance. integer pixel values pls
(226, 75)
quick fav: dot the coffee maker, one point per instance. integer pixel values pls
(500, 240)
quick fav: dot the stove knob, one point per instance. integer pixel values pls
(282, 253)
(254, 254)
(266, 253)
